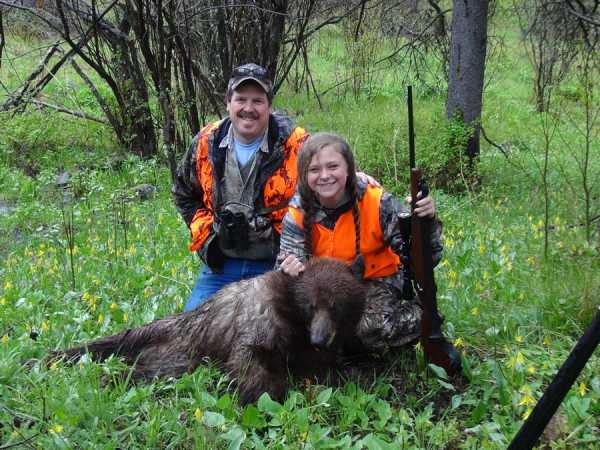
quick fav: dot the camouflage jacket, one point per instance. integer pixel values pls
(394, 218)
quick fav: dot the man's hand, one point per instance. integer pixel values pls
(292, 266)
(367, 179)
(425, 206)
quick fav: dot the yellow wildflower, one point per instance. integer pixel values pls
(198, 414)
(57, 429)
(481, 248)
(475, 311)
(518, 339)
(2, 301)
(86, 296)
(582, 389)
(101, 318)
(517, 361)
(5, 339)
(531, 370)
(527, 398)
(546, 340)
(459, 342)
(8, 285)
(44, 326)
(125, 317)
(113, 306)
(486, 275)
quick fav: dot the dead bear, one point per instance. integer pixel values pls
(254, 329)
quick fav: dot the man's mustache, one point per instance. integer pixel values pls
(243, 115)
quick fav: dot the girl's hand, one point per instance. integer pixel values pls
(292, 266)
(425, 206)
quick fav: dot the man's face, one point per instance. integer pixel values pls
(249, 110)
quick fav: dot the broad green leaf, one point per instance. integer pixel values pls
(236, 436)
(324, 396)
(252, 417)
(439, 371)
(267, 405)
(212, 419)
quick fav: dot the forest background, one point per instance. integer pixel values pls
(99, 100)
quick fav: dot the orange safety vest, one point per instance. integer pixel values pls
(339, 243)
(278, 188)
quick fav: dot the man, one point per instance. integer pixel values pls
(234, 183)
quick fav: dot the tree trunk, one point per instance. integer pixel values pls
(467, 65)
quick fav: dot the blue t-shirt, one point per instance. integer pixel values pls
(244, 152)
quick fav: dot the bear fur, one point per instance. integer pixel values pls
(255, 329)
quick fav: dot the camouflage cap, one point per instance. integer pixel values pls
(252, 72)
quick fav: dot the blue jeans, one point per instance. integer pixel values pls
(210, 282)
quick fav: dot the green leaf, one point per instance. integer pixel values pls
(267, 405)
(373, 442)
(439, 371)
(236, 436)
(456, 401)
(212, 419)
(466, 367)
(252, 417)
(479, 411)
(224, 402)
(447, 386)
(324, 396)
(301, 419)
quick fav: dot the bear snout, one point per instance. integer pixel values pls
(322, 329)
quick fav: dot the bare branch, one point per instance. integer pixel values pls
(16, 100)
(2, 40)
(583, 17)
(105, 108)
(80, 114)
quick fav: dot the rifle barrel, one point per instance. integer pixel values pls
(411, 129)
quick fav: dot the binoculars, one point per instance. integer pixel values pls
(233, 232)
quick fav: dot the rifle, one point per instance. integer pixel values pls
(437, 349)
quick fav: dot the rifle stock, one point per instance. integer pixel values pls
(437, 349)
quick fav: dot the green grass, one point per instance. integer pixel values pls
(514, 314)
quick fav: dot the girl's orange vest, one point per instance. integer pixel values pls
(339, 243)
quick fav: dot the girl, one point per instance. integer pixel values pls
(335, 215)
